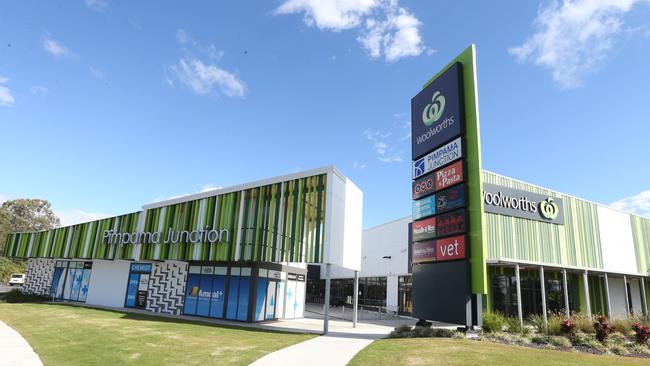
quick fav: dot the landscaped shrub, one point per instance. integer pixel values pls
(582, 339)
(540, 340)
(618, 349)
(641, 333)
(640, 349)
(513, 325)
(583, 323)
(568, 327)
(602, 328)
(16, 296)
(617, 338)
(403, 331)
(508, 338)
(406, 331)
(554, 323)
(622, 325)
(537, 321)
(493, 322)
(559, 342)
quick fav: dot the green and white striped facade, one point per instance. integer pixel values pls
(237, 253)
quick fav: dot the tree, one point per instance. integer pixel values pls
(24, 215)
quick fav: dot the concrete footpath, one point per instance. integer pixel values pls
(14, 349)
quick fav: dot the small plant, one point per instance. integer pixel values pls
(493, 322)
(568, 327)
(603, 328)
(554, 324)
(560, 342)
(540, 340)
(640, 349)
(538, 322)
(618, 349)
(582, 322)
(16, 296)
(641, 333)
(582, 339)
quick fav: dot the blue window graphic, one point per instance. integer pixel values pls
(218, 295)
(192, 294)
(242, 308)
(233, 296)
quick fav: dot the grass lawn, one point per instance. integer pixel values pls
(70, 335)
(447, 351)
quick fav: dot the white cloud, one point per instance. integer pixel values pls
(96, 73)
(358, 166)
(638, 204)
(201, 77)
(76, 216)
(38, 90)
(209, 187)
(97, 5)
(386, 28)
(209, 49)
(55, 48)
(573, 37)
(6, 99)
(205, 79)
(384, 151)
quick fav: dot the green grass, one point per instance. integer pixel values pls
(71, 335)
(445, 351)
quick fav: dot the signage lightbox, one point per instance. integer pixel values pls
(527, 205)
(443, 155)
(424, 208)
(436, 112)
(450, 248)
(423, 186)
(449, 175)
(424, 229)
(424, 252)
(450, 199)
(454, 222)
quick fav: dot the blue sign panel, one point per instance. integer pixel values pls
(424, 207)
(132, 290)
(141, 267)
(441, 156)
(437, 112)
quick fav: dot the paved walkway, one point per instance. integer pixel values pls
(14, 349)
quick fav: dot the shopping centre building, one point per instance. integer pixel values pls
(590, 258)
(475, 241)
(237, 253)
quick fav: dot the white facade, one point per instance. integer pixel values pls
(108, 282)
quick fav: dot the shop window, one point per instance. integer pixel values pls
(205, 293)
(137, 288)
(71, 280)
(404, 295)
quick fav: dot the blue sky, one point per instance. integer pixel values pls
(106, 106)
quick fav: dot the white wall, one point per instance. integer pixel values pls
(617, 297)
(387, 240)
(343, 224)
(392, 287)
(616, 240)
(108, 282)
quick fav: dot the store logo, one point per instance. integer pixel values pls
(548, 209)
(418, 167)
(194, 291)
(433, 111)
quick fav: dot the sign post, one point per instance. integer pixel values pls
(448, 245)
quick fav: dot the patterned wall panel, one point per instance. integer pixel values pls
(576, 243)
(39, 276)
(167, 288)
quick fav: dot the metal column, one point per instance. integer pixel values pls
(519, 309)
(644, 304)
(543, 287)
(627, 297)
(609, 304)
(326, 306)
(585, 281)
(565, 288)
(355, 299)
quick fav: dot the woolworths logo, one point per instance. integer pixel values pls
(433, 111)
(548, 209)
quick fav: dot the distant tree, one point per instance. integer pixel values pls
(23, 215)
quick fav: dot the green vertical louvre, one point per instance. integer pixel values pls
(641, 235)
(298, 210)
(284, 224)
(576, 243)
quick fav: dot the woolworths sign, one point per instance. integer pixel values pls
(514, 202)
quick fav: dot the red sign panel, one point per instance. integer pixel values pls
(451, 223)
(450, 248)
(448, 176)
(423, 252)
(424, 229)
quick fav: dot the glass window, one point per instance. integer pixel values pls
(233, 296)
